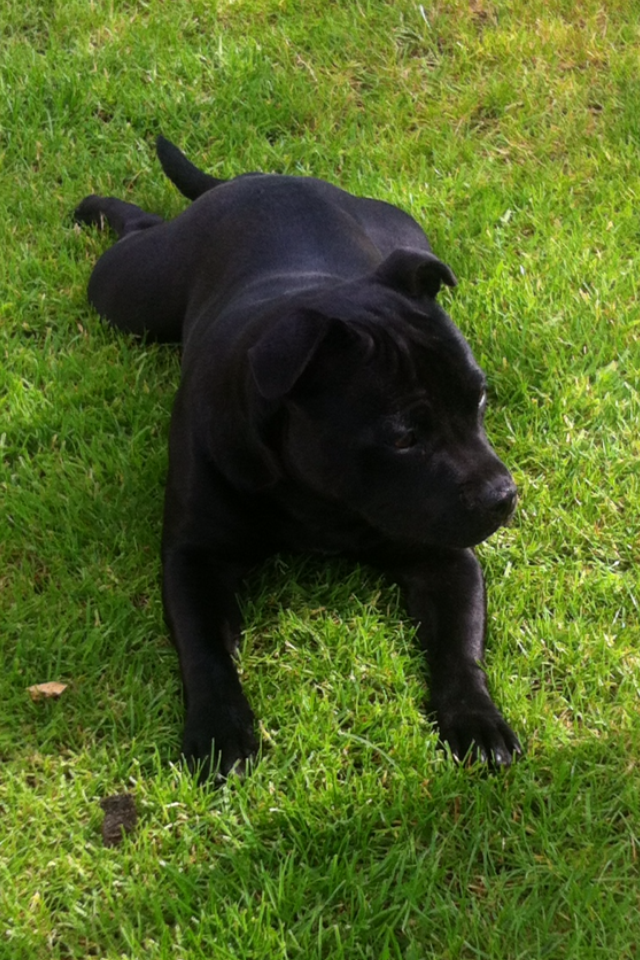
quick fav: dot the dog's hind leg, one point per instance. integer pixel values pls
(135, 285)
(123, 218)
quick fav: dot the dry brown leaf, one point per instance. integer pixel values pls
(47, 691)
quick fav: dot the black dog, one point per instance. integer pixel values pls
(327, 404)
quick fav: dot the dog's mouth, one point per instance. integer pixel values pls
(458, 528)
(455, 532)
(490, 530)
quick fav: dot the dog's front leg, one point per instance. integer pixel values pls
(445, 595)
(201, 608)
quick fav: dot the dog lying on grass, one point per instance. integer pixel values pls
(327, 404)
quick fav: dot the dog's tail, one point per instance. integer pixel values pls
(189, 180)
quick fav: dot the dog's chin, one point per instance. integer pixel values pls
(464, 539)
(445, 535)
(471, 529)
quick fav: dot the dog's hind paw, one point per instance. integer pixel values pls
(89, 211)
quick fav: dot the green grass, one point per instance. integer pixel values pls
(511, 130)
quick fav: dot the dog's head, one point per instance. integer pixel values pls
(383, 407)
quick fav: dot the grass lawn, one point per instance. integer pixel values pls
(511, 130)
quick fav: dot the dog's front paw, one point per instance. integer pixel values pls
(477, 732)
(219, 738)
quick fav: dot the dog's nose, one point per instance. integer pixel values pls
(495, 498)
(499, 498)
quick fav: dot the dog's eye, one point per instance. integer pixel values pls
(407, 440)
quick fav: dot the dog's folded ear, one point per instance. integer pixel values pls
(281, 356)
(415, 272)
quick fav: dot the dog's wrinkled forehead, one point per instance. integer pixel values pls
(427, 351)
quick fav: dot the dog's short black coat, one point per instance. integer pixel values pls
(328, 404)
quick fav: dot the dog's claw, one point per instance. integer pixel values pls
(500, 758)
